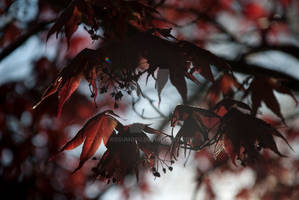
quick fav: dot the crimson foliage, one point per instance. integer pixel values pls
(134, 41)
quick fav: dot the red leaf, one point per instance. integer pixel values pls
(202, 60)
(69, 78)
(194, 131)
(120, 158)
(71, 17)
(67, 90)
(223, 85)
(245, 135)
(92, 79)
(62, 20)
(95, 129)
(123, 152)
(52, 89)
(261, 89)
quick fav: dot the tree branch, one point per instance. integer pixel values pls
(23, 38)
(288, 49)
(253, 69)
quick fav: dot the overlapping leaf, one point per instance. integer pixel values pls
(97, 13)
(203, 60)
(120, 158)
(71, 17)
(195, 130)
(123, 152)
(119, 60)
(262, 90)
(70, 77)
(244, 135)
(223, 85)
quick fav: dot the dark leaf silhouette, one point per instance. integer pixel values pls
(229, 103)
(122, 156)
(162, 78)
(118, 63)
(70, 77)
(71, 17)
(245, 135)
(203, 60)
(262, 89)
(195, 130)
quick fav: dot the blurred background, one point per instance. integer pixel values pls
(251, 35)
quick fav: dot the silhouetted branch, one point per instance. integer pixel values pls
(254, 69)
(288, 49)
(23, 38)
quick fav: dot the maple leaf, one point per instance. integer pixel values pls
(244, 136)
(229, 103)
(70, 77)
(167, 56)
(223, 85)
(92, 79)
(151, 149)
(194, 131)
(182, 112)
(65, 84)
(67, 90)
(176, 58)
(71, 17)
(162, 78)
(119, 60)
(202, 60)
(123, 152)
(120, 158)
(261, 89)
(96, 129)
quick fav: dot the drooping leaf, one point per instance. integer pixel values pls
(176, 57)
(50, 90)
(70, 77)
(71, 17)
(182, 112)
(119, 159)
(96, 129)
(67, 90)
(203, 60)
(162, 78)
(65, 84)
(195, 130)
(123, 152)
(262, 90)
(63, 19)
(191, 134)
(223, 85)
(244, 136)
(92, 80)
(177, 78)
